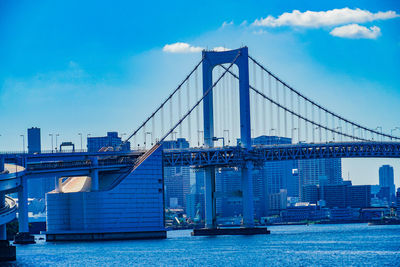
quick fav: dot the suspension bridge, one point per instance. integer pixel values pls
(225, 101)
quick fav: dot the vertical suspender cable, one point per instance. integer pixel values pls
(264, 107)
(144, 136)
(284, 112)
(256, 121)
(188, 108)
(333, 127)
(196, 77)
(278, 121)
(153, 130)
(306, 116)
(232, 107)
(320, 123)
(171, 111)
(298, 118)
(270, 104)
(312, 125)
(327, 126)
(292, 116)
(180, 111)
(162, 120)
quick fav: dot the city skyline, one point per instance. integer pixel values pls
(58, 89)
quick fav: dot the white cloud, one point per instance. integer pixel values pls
(225, 24)
(220, 49)
(181, 48)
(188, 48)
(355, 31)
(315, 19)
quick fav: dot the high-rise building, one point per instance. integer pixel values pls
(398, 201)
(94, 144)
(386, 179)
(311, 194)
(319, 171)
(176, 179)
(360, 196)
(228, 184)
(274, 176)
(278, 201)
(34, 145)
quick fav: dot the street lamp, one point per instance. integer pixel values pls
(80, 134)
(23, 143)
(51, 142)
(391, 131)
(56, 141)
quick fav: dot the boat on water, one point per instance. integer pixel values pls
(385, 221)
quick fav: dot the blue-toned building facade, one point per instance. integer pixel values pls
(94, 144)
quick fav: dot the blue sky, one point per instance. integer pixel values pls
(92, 67)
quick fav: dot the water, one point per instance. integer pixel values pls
(317, 245)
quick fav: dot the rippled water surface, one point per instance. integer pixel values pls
(321, 245)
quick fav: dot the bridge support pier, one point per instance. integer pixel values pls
(23, 236)
(209, 196)
(247, 198)
(94, 174)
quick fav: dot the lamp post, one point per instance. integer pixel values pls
(391, 131)
(80, 134)
(56, 141)
(23, 143)
(51, 142)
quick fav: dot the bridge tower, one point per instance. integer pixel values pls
(210, 60)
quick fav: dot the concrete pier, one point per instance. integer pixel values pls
(231, 231)
(103, 236)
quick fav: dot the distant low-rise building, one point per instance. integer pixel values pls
(112, 140)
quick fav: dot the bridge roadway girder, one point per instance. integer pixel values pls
(237, 156)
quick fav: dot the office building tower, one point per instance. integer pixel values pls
(34, 145)
(386, 179)
(360, 196)
(176, 179)
(318, 172)
(112, 140)
(311, 194)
